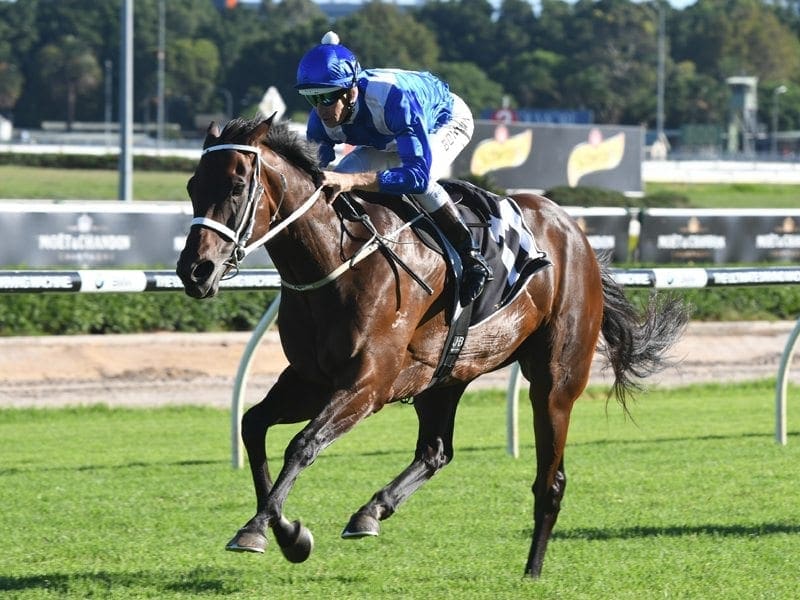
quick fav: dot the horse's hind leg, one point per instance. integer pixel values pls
(556, 382)
(436, 414)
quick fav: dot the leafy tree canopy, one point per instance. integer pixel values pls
(600, 55)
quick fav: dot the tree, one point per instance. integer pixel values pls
(583, 54)
(71, 70)
(760, 44)
(192, 69)
(612, 66)
(271, 59)
(11, 78)
(695, 98)
(383, 36)
(737, 37)
(17, 37)
(10, 85)
(18, 30)
(717, 39)
(520, 65)
(532, 78)
(463, 29)
(515, 30)
(472, 84)
(285, 16)
(90, 22)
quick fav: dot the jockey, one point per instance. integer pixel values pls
(407, 129)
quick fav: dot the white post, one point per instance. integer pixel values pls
(512, 420)
(241, 380)
(781, 384)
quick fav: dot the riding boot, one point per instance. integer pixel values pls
(476, 270)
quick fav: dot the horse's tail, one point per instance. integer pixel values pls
(635, 342)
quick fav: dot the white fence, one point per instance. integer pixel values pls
(123, 280)
(107, 281)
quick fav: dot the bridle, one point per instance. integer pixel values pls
(244, 231)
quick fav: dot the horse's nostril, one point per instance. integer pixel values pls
(202, 271)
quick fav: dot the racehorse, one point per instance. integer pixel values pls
(359, 332)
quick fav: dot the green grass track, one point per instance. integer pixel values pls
(690, 499)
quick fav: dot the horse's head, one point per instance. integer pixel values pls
(231, 200)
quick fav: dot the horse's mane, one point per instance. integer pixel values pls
(281, 139)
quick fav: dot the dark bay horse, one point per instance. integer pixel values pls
(358, 336)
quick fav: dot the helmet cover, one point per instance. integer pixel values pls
(326, 67)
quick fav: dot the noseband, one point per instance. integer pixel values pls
(241, 236)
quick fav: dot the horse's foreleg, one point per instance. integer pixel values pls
(338, 416)
(255, 423)
(333, 421)
(436, 413)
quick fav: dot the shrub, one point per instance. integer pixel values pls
(59, 314)
(665, 199)
(102, 161)
(587, 196)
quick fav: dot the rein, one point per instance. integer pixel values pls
(375, 242)
(241, 236)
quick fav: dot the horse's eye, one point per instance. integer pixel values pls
(238, 189)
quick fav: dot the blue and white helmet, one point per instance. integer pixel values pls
(326, 67)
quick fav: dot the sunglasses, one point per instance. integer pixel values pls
(327, 99)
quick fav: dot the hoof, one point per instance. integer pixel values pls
(361, 525)
(247, 541)
(294, 539)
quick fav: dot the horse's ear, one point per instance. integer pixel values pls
(261, 130)
(212, 135)
(265, 119)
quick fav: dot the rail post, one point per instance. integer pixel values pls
(781, 385)
(240, 385)
(512, 418)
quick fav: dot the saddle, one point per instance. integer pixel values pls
(508, 246)
(505, 240)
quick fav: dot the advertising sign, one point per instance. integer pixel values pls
(541, 156)
(608, 230)
(97, 234)
(719, 236)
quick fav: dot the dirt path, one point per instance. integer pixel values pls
(169, 368)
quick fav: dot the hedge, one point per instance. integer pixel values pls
(100, 161)
(773, 303)
(60, 314)
(588, 196)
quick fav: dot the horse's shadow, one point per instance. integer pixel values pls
(112, 467)
(677, 439)
(717, 530)
(193, 582)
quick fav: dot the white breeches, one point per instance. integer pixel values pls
(447, 142)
